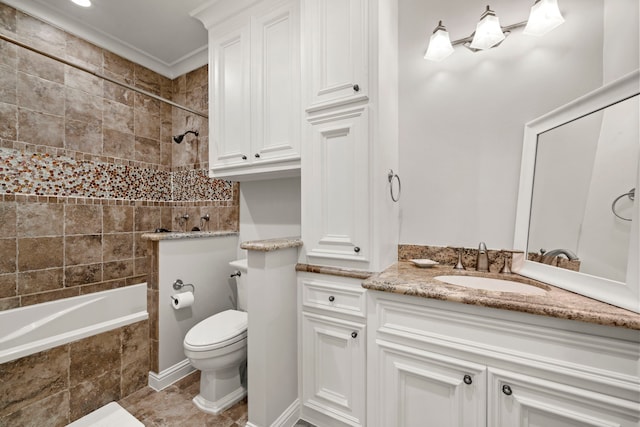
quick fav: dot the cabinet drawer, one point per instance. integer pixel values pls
(345, 298)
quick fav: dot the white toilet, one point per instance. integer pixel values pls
(217, 346)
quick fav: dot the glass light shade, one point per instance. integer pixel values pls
(488, 31)
(439, 45)
(83, 3)
(545, 16)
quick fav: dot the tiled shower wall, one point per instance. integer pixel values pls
(86, 167)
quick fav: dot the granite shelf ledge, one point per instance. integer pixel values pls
(269, 245)
(178, 235)
(407, 279)
(334, 271)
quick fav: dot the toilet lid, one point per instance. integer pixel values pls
(217, 329)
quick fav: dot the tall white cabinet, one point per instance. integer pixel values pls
(351, 133)
(349, 220)
(254, 92)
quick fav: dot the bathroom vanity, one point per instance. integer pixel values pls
(410, 348)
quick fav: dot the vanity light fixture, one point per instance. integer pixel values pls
(544, 17)
(83, 3)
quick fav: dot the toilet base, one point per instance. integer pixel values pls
(221, 404)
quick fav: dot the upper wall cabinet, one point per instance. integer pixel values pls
(254, 91)
(339, 51)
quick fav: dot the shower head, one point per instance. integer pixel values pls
(178, 138)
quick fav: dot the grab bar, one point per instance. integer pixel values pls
(631, 194)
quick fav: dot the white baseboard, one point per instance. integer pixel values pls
(287, 419)
(170, 375)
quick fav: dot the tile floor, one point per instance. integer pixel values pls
(172, 407)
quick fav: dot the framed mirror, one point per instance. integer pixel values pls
(577, 204)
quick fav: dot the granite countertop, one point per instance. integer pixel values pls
(177, 235)
(269, 245)
(407, 279)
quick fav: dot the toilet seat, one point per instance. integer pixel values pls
(217, 331)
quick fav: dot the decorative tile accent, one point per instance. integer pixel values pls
(56, 175)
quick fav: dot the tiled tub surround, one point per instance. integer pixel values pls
(60, 385)
(405, 278)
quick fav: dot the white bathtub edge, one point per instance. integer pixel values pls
(61, 339)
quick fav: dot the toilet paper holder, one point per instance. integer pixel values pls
(179, 284)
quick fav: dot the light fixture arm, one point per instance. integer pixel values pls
(466, 41)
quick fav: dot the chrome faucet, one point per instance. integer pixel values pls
(555, 252)
(482, 261)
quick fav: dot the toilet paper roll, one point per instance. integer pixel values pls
(182, 300)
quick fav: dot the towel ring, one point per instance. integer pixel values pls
(390, 177)
(631, 194)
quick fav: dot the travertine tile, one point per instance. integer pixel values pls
(83, 219)
(32, 299)
(85, 249)
(82, 275)
(152, 308)
(7, 19)
(119, 66)
(52, 411)
(32, 378)
(7, 285)
(117, 219)
(85, 137)
(40, 66)
(40, 253)
(117, 246)
(146, 104)
(81, 52)
(147, 218)
(146, 79)
(135, 357)
(31, 282)
(8, 51)
(228, 218)
(40, 219)
(118, 116)
(117, 93)
(118, 144)
(82, 106)
(8, 121)
(92, 357)
(90, 395)
(9, 303)
(8, 85)
(117, 269)
(147, 150)
(8, 219)
(40, 35)
(83, 81)
(40, 128)
(40, 95)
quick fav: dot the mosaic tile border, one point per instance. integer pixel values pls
(45, 174)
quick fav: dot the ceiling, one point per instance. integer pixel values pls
(158, 34)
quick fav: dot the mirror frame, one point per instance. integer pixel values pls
(621, 294)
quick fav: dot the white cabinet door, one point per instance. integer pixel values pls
(337, 35)
(333, 368)
(231, 97)
(275, 68)
(422, 389)
(338, 189)
(519, 400)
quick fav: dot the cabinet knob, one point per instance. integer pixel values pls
(356, 88)
(332, 298)
(507, 390)
(467, 379)
(244, 157)
(354, 334)
(356, 249)
(257, 155)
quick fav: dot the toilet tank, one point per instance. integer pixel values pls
(241, 282)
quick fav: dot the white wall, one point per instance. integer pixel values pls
(462, 120)
(269, 209)
(205, 263)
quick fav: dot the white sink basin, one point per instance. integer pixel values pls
(490, 284)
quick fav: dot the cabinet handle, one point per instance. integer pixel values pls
(507, 390)
(467, 379)
(257, 155)
(354, 334)
(356, 88)
(356, 249)
(244, 157)
(332, 298)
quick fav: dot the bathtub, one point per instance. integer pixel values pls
(28, 330)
